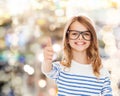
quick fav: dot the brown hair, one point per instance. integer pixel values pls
(92, 51)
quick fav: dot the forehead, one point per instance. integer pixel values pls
(77, 26)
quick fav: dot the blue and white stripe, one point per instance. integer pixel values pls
(70, 84)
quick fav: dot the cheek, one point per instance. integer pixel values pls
(71, 42)
(88, 45)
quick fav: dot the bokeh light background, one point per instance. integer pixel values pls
(24, 28)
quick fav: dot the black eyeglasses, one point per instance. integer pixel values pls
(74, 34)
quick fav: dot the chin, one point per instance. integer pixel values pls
(80, 49)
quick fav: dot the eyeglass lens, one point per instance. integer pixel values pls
(73, 34)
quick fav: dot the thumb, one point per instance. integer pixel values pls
(49, 42)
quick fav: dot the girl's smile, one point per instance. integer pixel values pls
(80, 43)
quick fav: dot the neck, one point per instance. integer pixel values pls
(81, 57)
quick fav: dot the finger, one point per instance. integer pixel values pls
(48, 53)
(49, 42)
(48, 58)
(49, 50)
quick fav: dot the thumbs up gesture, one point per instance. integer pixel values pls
(48, 52)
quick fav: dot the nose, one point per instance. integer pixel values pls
(80, 37)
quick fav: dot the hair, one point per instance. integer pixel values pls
(92, 50)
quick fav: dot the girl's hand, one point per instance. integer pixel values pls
(48, 52)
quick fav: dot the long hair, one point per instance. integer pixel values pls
(92, 50)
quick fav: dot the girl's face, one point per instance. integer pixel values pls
(79, 37)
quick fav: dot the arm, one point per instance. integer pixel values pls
(49, 69)
(107, 90)
(48, 55)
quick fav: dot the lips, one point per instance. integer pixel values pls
(80, 43)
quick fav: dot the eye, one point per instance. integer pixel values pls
(86, 33)
(74, 33)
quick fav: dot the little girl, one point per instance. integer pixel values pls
(80, 72)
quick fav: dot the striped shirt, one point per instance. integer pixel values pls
(79, 80)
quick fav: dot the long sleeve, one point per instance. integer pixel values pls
(54, 73)
(107, 90)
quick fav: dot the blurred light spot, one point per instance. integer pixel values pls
(17, 6)
(59, 12)
(28, 69)
(35, 47)
(40, 57)
(52, 91)
(42, 83)
(12, 61)
(56, 47)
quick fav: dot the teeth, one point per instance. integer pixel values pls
(80, 43)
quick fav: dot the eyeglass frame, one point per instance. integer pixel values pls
(80, 33)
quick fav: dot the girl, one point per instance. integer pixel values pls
(80, 73)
